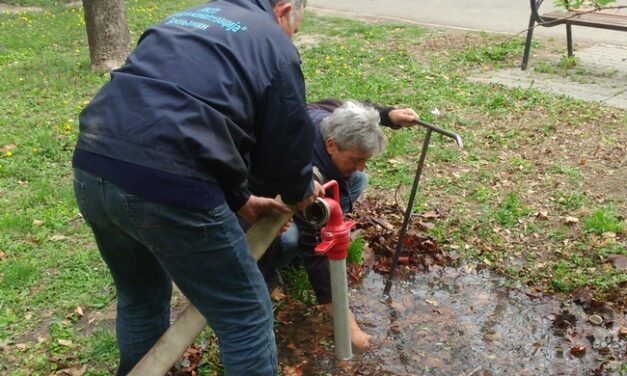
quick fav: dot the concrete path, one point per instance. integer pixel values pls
(501, 16)
(609, 86)
(600, 51)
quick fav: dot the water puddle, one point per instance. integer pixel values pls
(458, 322)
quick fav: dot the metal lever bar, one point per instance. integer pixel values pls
(412, 196)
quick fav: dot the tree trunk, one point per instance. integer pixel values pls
(107, 33)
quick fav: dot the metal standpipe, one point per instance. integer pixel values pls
(339, 296)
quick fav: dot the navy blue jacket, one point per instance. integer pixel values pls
(208, 96)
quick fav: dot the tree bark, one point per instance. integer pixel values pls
(107, 33)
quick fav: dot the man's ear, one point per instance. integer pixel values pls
(330, 145)
(282, 10)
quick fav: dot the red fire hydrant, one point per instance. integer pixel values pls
(335, 241)
(336, 234)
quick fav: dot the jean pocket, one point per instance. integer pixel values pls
(79, 195)
(172, 230)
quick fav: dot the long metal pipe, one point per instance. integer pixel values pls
(191, 322)
(339, 296)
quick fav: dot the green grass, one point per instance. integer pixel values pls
(356, 251)
(516, 162)
(38, 3)
(604, 220)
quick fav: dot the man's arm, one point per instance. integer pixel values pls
(391, 117)
(282, 156)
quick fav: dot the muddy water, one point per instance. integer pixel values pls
(458, 322)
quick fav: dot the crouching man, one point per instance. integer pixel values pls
(347, 135)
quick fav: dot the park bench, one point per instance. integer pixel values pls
(590, 18)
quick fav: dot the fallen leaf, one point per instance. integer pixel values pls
(38, 222)
(582, 295)
(65, 342)
(277, 294)
(20, 346)
(578, 351)
(293, 371)
(619, 261)
(432, 302)
(73, 371)
(609, 235)
(292, 346)
(3, 256)
(430, 215)
(542, 214)
(56, 238)
(6, 148)
(74, 316)
(571, 220)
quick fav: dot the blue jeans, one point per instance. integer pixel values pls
(147, 245)
(357, 184)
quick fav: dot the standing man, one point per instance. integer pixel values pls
(209, 95)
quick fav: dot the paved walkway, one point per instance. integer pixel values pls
(603, 52)
(500, 16)
(609, 85)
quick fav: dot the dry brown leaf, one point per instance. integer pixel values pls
(6, 148)
(277, 294)
(56, 238)
(293, 371)
(578, 351)
(571, 220)
(3, 256)
(619, 261)
(430, 215)
(38, 222)
(292, 346)
(72, 371)
(65, 342)
(431, 302)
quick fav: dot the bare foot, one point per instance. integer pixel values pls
(360, 339)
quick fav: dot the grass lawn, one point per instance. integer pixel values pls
(537, 194)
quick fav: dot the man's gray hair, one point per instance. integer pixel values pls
(354, 126)
(297, 5)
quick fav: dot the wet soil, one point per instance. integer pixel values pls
(458, 321)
